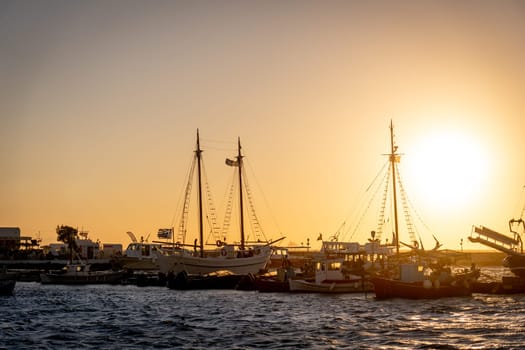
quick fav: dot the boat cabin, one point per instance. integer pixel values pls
(329, 270)
(143, 250)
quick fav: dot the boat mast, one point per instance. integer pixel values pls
(393, 159)
(198, 152)
(239, 163)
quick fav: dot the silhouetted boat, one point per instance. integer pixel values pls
(510, 245)
(266, 284)
(275, 280)
(81, 273)
(420, 274)
(240, 259)
(7, 282)
(416, 283)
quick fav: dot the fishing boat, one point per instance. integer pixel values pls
(330, 277)
(81, 273)
(512, 245)
(240, 258)
(418, 273)
(273, 283)
(418, 281)
(7, 282)
(141, 255)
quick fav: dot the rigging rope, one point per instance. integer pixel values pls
(181, 237)
(228, 211)
(210, 209)
(259, 187)
(408, 220)
(381, 216)
(180, 202)
(378, 185)
(256, 226)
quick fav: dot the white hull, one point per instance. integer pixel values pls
(198, 265)
(330, 287)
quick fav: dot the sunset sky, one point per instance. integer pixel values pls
(100, 102)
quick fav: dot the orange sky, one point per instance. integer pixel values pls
(100, 101)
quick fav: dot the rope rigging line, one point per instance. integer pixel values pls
(181, 237)
(259, 187)
(211, 216)
(382, 208)
(183, 190)
(229, 206)
(228, 145)
(372, 197)
(255, 224)
(419, 217)
(408, 220)
(248, 166)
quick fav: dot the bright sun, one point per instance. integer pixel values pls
(447, 169)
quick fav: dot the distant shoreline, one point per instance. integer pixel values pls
(478, 257)
(485, 258)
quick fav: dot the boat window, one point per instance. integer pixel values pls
(336, 265)
(419, 268)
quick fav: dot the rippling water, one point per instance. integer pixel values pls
(130, 317)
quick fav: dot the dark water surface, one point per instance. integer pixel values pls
(131, 317)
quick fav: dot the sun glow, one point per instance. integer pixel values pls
(448, 170)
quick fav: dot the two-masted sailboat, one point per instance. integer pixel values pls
(418, 274)
(240, 258)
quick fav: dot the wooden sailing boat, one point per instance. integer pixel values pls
(240, 259)
(417, 277)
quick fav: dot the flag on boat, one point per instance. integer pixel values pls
(165, 233)
(232, 162)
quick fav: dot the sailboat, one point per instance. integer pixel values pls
(421, 274)
(239, 258)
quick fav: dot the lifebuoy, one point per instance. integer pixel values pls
(223, 252)
(219, 243)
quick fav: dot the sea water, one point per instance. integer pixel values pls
(130, 317)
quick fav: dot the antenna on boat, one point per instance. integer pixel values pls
(394, 158)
